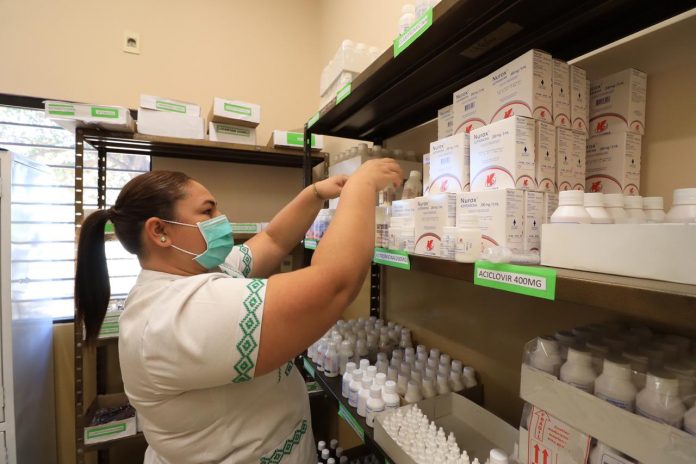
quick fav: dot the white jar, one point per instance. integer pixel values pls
(448, 243)
(615, 385)
(683, 206)
(660, 401)
(375, 404)
(690, 421)
(497, 456)
(413, 394)
(390, 397)
(347, 377)
(599, 352)
(654, 209)
(571, 209)
(578, 371)
(363, 396)
(345, 355)
(639, 365)
(355, 386)
(633, 204)
(467, 247)
(614, 204)
(594, 205)
(546, 356)
(686, 376)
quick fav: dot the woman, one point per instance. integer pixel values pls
(206, 342)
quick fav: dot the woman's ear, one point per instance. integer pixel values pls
(155, 232)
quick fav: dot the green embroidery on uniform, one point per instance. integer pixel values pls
(290, 444)
(288, 370)
(246, 260)
(249, 323)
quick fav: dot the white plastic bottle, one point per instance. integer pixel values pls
(467, 247)
(469, 377)
(683, 206)
(639, 366)
(408, 17)
(599, 352)
(428, 388)
(413, 187)
(614, 204)
(633, 204)
(654, 208)
(690, 421)
(421, 7)
(546, 356)
(498, 456)
(594, 205)
(571, 209)
(577, 370)
(347, 377)
(390, 397)
(455, 381)
(355, 385)
(363, 396)
(442, 385)
(615, 385)
(375, 404)
(331, 361)
(660, 401)
(413, 394)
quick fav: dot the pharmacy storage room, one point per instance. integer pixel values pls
(347, 232)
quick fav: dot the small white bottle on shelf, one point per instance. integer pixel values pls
(345, 355)
(390, 397)
(413, 394)
(578, 371)
(331, 361)
(363, 396)
(660, 401)
(614, 204)
(413, 187)
(355, 386)
(683, 207)
(442, 385)
(375, 404)
(571, 209)
(546, 356)
(469, 377)
(498, 456)
(654, 208)
(615, 385)
(428, 388)
(347, 377)
(633, 204)
(467, 240)
(594, 205)
(455, 381)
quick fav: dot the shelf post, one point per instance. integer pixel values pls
(307, 171)
(375, 290)
(78, 339)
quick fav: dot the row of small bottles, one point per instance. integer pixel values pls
(333, 454)
(376, 151)
(634, 369)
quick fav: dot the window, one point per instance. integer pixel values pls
(43, 230)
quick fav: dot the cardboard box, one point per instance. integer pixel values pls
(111, 430)
(432, 214)
(545, 156)
(543, 444)
(650, 251)
(617, 103)
(169, 124)
(523, 87)
(565, 164)
(470, 107)
(500, 213)
(641, 438)
(579, 153)
(235, 112)
(502, 155)
(579, 99)
(404, 208)
(613, 163)
(152, 102)
(449, 164)
(550, 205)
(561, 94)
(72, 115)
(533, 219)
(445, 122)
(476, 429)
(288, 139)
(218, 132)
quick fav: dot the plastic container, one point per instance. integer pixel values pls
(467, 247)
(614, 204)
(683, 206)
(390, 397)
(413, 187)
(442, 385)
(577, 370)
(455, 381)
(375, 404)
(347, 377)
(633, 204)
(660, 401)
(345, 355)
(413, 394)
(594, 205)
(428, 388)
(546, 356)
(654, 208)
(448, 243)
(363, 396)
(498, 456)
(639, 365)
(469, 377)
(355, 386)
(599, 352)
(571, 209)
(615, 385)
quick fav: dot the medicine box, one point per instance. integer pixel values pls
(72, 115)
(502, 155)
(110, 430)
(449, 164)
(565, 177)
(523, 87)
(641, 438)
(433, 213)
(500, 213)
(235, 112)
(561, 94)
(404, 208)
(475, 429)
(219, 132)
(152, 102)
(289, 139)
(579, 98)
(613, 163)
(167, 124)
(617, 103)
(579, 154)
(545, 154)
(550, 205)
(445, 122)
(470, 107)
(533, 219)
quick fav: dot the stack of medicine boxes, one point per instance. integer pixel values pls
(233, 121)
(170, 118)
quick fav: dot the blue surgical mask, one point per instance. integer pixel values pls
(217, 233)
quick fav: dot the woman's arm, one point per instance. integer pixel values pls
(300, 306)
(289, 226)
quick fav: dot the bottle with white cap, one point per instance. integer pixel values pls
(594, 205)
(455, 381)
(498, 456)
(599, 352)
(355, 386)
(363, 396)
(660, 401)
(578, 371)
(442, 384)
(331, 361)
(615, 385)
(467, 239)
(639, 365)
(375, 404)
(546, 356)
(614, 204)
(469, 377)
(325, 454)
(428, 388)
(392, 374)
(382, 363)
(413, 393)
(390, 397)
(654, 209)
(633, 204)
(347, 377)
(686, 375)
(345, 355)
(413, 187)
(571, 209)
(683, 206)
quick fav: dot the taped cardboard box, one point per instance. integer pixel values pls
(73, 115)
(235, 112)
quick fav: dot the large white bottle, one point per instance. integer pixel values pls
(375, 404)
(413, 187)
(615, 385)
(660, 401)
(578, 371)
(355, 385)
(347, 377)
(390, 397)
(546, 356)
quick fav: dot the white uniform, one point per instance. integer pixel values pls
(188, 348)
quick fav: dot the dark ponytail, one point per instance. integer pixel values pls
(153, 194)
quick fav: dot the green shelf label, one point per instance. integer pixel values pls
(421, 25)
(539, 282)
(106, 430)
(308, 366)
(343, 93)
(238, 109)
(310, 244)
(348, 417)
(393, 258)
(313, 119)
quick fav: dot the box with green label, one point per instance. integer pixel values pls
(110, 325)
(152, 102)
(288, 139)
(235, 112)
(72, 115)
(218, 132)
(97, 432)
(167, 124)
